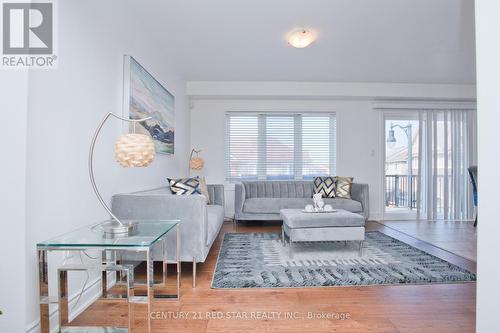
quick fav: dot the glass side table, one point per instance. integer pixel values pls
(147, 235)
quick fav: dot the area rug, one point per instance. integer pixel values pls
(259, 260)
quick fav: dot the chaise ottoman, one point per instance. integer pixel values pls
(340, 225)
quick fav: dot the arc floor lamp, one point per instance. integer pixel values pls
(131, 150)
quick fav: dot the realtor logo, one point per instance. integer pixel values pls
(28, 34)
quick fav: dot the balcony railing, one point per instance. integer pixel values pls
(397, 191)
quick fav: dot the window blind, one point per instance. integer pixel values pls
(274, 146)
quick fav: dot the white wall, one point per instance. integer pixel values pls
(355, 149)
(359, 127)
(321, 90)
(66, 105)
(488, 246)
(13, 110)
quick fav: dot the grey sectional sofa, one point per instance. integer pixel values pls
(199, 223)
(262, 200)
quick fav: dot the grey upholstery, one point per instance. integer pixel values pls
(313, 227)
(215, 213)
(273, 205)
(262, 200)
(360, 192)
(278, 189)
(294, 218)
(216, 194)
(199, 223)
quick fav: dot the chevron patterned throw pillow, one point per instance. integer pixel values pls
(326, 186)
(186, 186)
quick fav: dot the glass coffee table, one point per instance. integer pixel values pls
(148, 234)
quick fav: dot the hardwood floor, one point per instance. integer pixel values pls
(459, 237)
(418, 308)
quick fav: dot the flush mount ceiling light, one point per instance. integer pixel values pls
(301, 38)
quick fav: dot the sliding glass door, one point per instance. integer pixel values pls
(427, 157)
(401, 165)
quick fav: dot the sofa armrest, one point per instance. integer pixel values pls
(239, 199)
(191, 210)
(360, 192)
(216, 194)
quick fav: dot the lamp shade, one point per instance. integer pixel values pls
(196, 163)
(301, 38)
(134, 150)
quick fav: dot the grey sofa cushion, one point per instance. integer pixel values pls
(278, 189)
(346, 204)
(297, 219)
(215, 215)
(274, 205)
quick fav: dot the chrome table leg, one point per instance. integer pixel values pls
(149, 284)
(43, 284)
(283, 235)
(194, 272)
(104, 276)
(178, 259)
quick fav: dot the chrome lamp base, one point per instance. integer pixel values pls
(114, 227)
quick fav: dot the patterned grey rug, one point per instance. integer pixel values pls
(259, 260)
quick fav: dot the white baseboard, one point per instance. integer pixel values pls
(91, 293)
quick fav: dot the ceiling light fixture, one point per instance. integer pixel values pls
(301, 38)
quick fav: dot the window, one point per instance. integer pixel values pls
(275, 146)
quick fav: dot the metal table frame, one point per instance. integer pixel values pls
(46, 300)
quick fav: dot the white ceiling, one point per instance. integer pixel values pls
(413, 41)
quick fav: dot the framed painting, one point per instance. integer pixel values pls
(144, 96)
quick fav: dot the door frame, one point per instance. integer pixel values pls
(387, 114)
